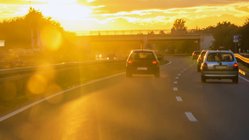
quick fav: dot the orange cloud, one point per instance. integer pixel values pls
(141, 14)
(113, 6)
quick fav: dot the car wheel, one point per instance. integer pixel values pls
(235, 80)
(203, 79)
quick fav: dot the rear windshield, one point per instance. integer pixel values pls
(217, 57)
(142, 56)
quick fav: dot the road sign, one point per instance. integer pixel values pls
(236, 38)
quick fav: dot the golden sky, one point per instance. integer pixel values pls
(82, 15)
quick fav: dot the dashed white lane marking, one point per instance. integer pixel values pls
(11, 114)
(191, 117)
(170, 62)
(179, 98)
(244, 78)
(177, 78)
(163, 76)
(175, 89)
(179, 74)
(175, 82)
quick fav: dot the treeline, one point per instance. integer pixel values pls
(41, 34)
(224, 33)
(20, 31)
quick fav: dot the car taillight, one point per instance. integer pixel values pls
(154, 62)
(235, 65)
(204, 66)
(129, 62)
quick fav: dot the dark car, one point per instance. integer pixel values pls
(195, 54)
(200, 59)
(219, 65)
(142, 61)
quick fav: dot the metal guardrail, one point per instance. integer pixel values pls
(21, 70)
(242, 58)
(245, 62)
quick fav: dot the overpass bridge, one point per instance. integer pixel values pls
(201, 41)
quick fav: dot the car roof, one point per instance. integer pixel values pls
(220, 51)
(142, 50)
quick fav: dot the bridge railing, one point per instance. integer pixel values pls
(129, 32)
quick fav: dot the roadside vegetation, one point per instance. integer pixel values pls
(20, 89)
(31, 39)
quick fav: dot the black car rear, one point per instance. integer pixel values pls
(142, 62)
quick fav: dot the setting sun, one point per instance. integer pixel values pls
(87, 15)
(65, 10)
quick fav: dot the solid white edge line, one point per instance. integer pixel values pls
(179, 98)
(244, 78)
(175, 89)
(191, 117)
(11, 114)
(170, 62)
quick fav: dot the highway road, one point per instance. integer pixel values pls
(176, 106)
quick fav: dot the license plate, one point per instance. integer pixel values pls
(220, 67)
(142, 68)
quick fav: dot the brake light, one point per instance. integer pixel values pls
(129, 62)
(235, 65)
(154, 62)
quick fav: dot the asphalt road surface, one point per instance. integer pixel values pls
(176, 106)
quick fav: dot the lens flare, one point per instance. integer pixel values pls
(51, 38)
(39, 82)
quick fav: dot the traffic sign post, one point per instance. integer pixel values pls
(236, 39)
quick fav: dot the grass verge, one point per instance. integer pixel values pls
(18, 90)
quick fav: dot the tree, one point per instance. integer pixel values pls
(244, 32)
(179, 27)
(162, 32)
(223, 34)
(21, 31)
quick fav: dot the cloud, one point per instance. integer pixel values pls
(113, 6)
(133, 14)
(20, 2)
(11, 11)
(200, 16)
